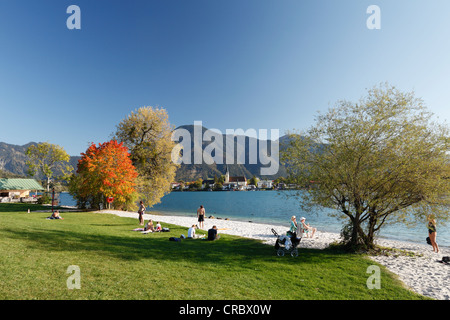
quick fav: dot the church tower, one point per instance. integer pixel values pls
(227, 176)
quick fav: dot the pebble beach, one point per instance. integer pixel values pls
(421, 271)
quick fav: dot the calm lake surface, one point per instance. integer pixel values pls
(273, 207)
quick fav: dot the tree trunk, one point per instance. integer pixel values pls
(370, 237)
(359, 239)
(356, 229)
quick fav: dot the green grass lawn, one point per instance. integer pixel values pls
(118, 263)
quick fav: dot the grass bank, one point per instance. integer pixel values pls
(118, 263)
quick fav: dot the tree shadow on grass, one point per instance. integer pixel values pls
(136, 247)
(139, 247)
(22, 207)
(108, 225)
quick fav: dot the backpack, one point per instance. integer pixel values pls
(174, 239)
(446, 260)
(428, 240)
(165, 230)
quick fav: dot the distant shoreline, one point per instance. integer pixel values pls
(275, 223)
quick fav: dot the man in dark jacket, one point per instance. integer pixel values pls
(212, 233)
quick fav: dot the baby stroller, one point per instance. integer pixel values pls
(287, 243)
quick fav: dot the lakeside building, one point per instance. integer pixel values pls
(17, 189)
(175, 185)
(236, 183)
(265, 184)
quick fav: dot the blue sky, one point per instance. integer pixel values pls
(260, 64)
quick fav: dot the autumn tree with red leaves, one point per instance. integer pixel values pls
(105, 171)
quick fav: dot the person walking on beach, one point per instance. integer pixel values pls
(201, 216)
(432, 232)
(141, 213)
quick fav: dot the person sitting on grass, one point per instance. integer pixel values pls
(149, 226)
(192, 234)
(55, 215)
(212, 234)
(158, 227)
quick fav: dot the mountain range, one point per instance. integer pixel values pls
(241, 148)
(13, 158)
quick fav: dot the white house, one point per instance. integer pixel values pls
(265, 184)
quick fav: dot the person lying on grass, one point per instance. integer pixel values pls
(55, 215)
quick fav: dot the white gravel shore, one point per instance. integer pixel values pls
(420, 272)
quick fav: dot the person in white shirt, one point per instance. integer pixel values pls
(191, 232)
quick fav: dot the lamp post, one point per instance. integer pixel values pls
(53, 197)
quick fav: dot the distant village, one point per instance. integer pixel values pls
(232, 183)
(20, 189)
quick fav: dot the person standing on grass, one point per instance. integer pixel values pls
(432, 232)
(201, 216)
(141, 213)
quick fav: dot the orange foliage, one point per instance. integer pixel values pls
(107, 169)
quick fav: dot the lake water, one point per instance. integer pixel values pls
(271, 207)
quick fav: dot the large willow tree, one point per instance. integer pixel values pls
(147, 133)
(380, 160)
